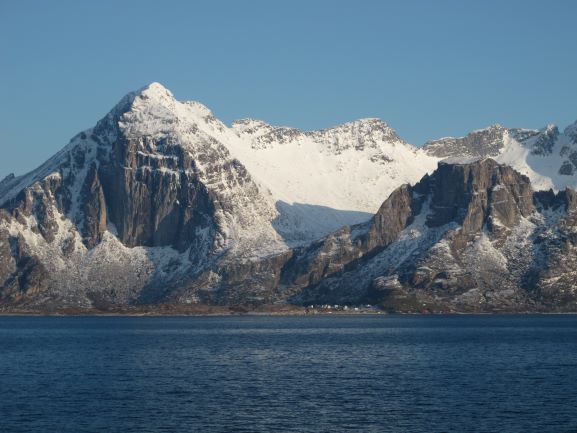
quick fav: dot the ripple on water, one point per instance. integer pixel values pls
(284, 374)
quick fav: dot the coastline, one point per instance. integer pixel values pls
(165, 310)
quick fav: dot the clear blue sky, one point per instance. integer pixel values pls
(428, 68)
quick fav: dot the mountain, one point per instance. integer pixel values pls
(547, 156)
(470, 237)
(160, 202)
(160, 192)
(314, 176)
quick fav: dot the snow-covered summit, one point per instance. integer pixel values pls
(546, 156)
(160, 198)
(358, 133)
(155, 91)
(312, 182)
(319, 180)
(481, 142)
(346, 167)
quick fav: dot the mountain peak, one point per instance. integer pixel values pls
(370, 121)
(479, 143)
(492, 127)
(151, 94)
(154, 89)
(153, 106)
(155, 93)
(369, 124)
(372, 129)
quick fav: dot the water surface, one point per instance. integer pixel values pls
(289, 374)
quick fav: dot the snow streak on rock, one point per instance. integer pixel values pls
(161, 201)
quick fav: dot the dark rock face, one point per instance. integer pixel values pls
(567, 169)
(552, 280)
(545, 141)
(393, 216)
(154, 207)
(94, 208)
(8, 264)
(484, 143)
(21, 274)
(150, 190)
(332, 255)
(571, 132)
(489, 142)
(467, 238)
(470, 237)
(569, 166)
(137, 210)
(147, 190)
(478, 195)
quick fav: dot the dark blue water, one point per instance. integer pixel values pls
(289, 374)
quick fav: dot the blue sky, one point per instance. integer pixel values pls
(428, 68)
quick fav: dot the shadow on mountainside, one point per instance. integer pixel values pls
(300, 223)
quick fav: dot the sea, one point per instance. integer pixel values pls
(357, 373)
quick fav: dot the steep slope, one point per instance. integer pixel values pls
(162, 202)
(142, 199)
(155, 195)
(350, 167)
(470, 237)
(482, 143)
(316, 182)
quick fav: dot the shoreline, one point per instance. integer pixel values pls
(225, 312)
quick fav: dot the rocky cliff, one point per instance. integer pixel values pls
(133, 204)
(159, 203)
(470, 237)
(547, 156)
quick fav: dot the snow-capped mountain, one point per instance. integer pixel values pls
(470, 237)
(546, 156)
(161, 201)
(313, 182)
(160, 190)
(144, 197)
(322, 180)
